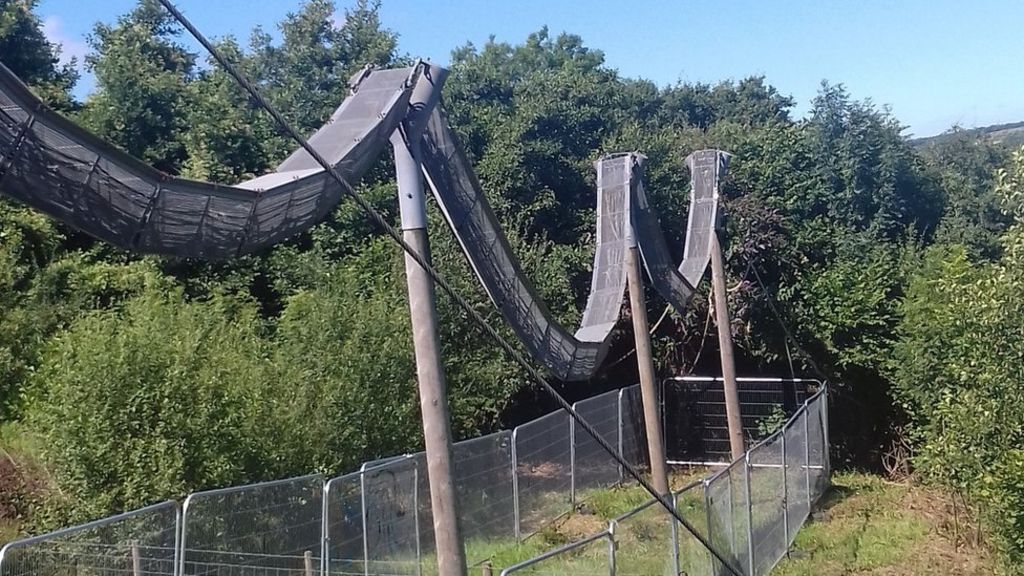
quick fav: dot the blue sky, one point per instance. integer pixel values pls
(936, 63)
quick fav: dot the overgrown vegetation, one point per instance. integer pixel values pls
(138, 378)
(870, 526)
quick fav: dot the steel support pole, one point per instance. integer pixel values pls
(750, 513)
(709, 518)
(621, 421)
(572, 459)
(363, 511)
(515, 483)
(674, 533)
(807, 457)
(645, 362)
(451, 556)
(732, 397)
(416, 515)
(827, 448)
(785, 491)
(612, 546)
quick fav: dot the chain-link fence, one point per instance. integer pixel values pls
(510, 485)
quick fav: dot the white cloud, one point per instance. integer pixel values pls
(338, 19)
(70, 47)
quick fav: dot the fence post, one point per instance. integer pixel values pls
(622, 472)
(416, 512)
(183, 535)
(307, 562)
(325, 530)
(708, 518)
(807, 455)
(732, 517)
(674, 531)
(179, 565)
(611, 548)
(824, 427)
(362, 508)
(785, 491)
(750, 512)
(515, 482)
(136, 560)
(572, 459)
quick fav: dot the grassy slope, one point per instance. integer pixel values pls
(868, 526)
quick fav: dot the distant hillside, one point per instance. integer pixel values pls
(1011, 134)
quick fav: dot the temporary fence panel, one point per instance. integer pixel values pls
(271, 528)
(483, 482)
(138, 543)
(543, 470)
(633, 433)
(695, 419)
(593, 467)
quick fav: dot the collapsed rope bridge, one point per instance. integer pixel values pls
(57, 167)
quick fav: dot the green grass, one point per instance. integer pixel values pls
(872, 527)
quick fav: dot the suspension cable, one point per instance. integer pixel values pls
(445, 286)
(785, 329)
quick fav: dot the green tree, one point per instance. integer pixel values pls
(142, 73)
(25, 50)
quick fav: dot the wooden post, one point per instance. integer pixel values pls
(307, 558)
(732, 398)
(645, 362)
(451, 557)
(487, 569)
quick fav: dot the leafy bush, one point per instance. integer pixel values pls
(152, 400)
(958, 369)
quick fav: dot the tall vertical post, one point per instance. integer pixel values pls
(515, 483)
(621, 422)
(750, 512)
(732, 397)
(572, 459)
(785, 490)
(364, 516)
(645, 362)
(451, 557)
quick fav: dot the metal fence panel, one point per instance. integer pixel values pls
(797, 501)
(595, 468)
(594, 555)
(767, 499)
(272, 528)
(642, 541)
(816, 446)
(373, 520)
(693, 557)
(483, 482)
(378, 520)
(138, 543)
(694, 412)
(543, 470)
(633, 444)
